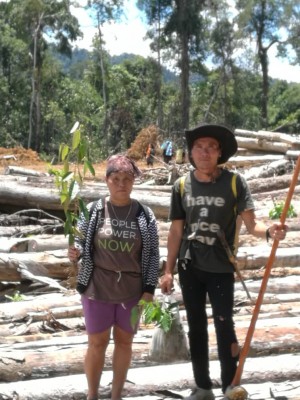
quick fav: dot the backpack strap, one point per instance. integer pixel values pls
(234, 190)
(181, 185)
(233, 186)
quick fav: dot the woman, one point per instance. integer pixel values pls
(119, 252)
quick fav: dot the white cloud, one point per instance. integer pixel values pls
(281, 69)
(128, 36)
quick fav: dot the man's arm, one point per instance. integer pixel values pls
(260, 229)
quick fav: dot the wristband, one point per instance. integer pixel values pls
(268, 236)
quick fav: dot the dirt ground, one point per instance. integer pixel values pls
(30, 159)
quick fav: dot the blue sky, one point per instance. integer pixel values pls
(128, 37)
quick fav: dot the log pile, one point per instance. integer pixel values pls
(43, 335)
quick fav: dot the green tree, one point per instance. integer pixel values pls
(182, 28)
(265, 21)
(14, 88)
(105, 11)
(284, 106)
(34, 22)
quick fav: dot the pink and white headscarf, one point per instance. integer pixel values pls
(122, 163)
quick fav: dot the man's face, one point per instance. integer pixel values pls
(206, 152)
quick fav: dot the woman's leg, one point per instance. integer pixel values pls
(121, 360)
(94, 361)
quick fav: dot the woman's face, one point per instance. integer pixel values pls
(120, 184)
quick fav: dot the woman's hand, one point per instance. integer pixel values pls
(73, 253)
(147, 297)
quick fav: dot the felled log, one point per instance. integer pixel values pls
(278, 335)
(269, 135)
(292, 154)
(36, 243)
(168, 381)
(246, 161)
(273, 169)
(62, 305)
(256, 257)
(14, 170)
(15, 311)
(35, 330)
(26, 230)
(262, 145)
(26, 196)
(54, 264)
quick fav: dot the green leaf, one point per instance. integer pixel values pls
(134, 316)
(68, 176)
(64, 152)
(89, 167)
(76, 139)
(73, 190)
(75, 127)
(83, 209)
(82, 151)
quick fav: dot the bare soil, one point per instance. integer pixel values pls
(30, 159)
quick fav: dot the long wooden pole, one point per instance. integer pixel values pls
(244, 352)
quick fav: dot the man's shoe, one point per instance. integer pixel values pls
(236, 393)
(201, 394)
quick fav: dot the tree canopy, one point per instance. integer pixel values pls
(46, 84)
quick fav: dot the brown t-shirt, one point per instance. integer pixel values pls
(117, 256)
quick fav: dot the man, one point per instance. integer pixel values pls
(206, 207)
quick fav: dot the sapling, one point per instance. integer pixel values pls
(70, 178)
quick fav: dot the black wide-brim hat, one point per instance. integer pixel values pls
(221, 133)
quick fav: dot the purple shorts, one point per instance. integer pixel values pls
(100, 316)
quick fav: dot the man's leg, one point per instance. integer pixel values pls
(194, 296)
(221, 292)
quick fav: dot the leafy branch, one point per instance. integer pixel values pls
(162, 315)
(276, 211)
(69, 180)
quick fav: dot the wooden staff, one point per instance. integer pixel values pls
(246, 347)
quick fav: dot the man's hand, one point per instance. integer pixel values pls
(277, 231)
(166, 283)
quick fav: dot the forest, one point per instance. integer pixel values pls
(220, 52)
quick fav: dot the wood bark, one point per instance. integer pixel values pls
(14, 170)
(167, 381)
(267, 135)
(22, 362)
(262, 145)
(55, 264)
(37, 243)
(26, 196)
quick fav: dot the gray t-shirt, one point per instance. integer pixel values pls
(117, 253)
(208, 207)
